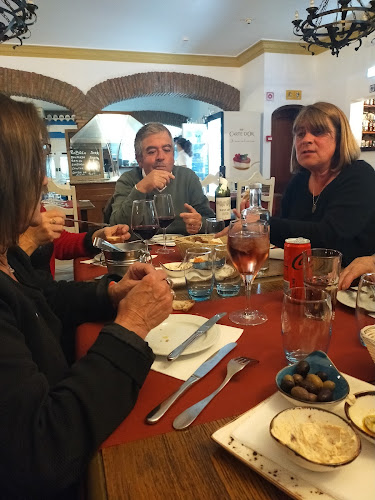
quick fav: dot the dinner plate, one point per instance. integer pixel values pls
(177, 328)
(158, 239)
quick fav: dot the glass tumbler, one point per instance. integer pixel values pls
(306, 318)
(199, 273)
(214, 225)
(227, 279)
(365, 304)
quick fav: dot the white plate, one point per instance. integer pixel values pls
(177, 328)
(347, 297)
(261, 454)
(158, 239)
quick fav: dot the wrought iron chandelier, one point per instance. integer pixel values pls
(334, 28)
(15, 18)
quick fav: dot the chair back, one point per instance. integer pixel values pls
(70, 192)
(268, 189)
(207, 181)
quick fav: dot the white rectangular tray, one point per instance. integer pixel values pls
(263, 456)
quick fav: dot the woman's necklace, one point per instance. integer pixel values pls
(314, 202)
(8, 268)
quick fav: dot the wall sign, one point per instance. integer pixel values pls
(269, 96)
(85, 162)
(294, 95)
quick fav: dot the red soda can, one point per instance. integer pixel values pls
(293, 263)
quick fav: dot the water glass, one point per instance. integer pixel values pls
(321, 269)
(199, 273)
(306, 319)
(214, 225)
(365, 305)
(227, 279)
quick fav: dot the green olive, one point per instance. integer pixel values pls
(322, 375)
(312, 397)
(297, 378)
(325, 395)
(329, 384)
(316, 381)
(287, 383)
(300, 393)
(302, 368)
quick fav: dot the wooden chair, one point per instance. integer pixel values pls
(268, 189)
(70, 192)
(208, 181)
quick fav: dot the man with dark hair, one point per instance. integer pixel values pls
(156, 173)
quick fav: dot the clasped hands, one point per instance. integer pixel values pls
(143, 298)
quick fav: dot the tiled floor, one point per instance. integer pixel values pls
(64, 270)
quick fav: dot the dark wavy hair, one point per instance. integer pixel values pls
(148, 129)
(22, 167)
(185, 145)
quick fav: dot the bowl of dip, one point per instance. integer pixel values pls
(315, 439)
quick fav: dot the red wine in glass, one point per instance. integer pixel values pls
(144, 219)
(166, 215)
(146, 232)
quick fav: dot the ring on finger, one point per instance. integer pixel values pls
(53, 221)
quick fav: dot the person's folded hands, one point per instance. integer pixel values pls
(146, 305)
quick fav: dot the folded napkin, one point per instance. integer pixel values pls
(184, 366)
(277, 253)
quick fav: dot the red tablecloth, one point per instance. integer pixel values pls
(247, 388)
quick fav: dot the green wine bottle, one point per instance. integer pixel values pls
(222, 198)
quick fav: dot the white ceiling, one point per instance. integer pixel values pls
(212, 27)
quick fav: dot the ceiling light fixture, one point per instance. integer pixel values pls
(15, 18)
(334, 28)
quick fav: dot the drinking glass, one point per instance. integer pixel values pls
(365, 305)
(166, 215)
(199, 273)
(144, 220)
(227, 279)
(214, 225)
(248, 246)
(306, 319)
(321, 269)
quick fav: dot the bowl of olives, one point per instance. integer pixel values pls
(314, 381)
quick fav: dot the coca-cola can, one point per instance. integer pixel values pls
(293, 262)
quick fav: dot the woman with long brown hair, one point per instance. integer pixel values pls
(54, 414)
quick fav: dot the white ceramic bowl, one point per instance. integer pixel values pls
(357, 407)
(174, 269)
(315, 439)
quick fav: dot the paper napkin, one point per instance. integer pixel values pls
(184, 366)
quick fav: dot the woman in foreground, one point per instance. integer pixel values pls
(54, 416)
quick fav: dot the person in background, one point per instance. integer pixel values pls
(49, 240)
(184, 152)
(329, 200)
(156, 173)
(355, 269)
(54, 414)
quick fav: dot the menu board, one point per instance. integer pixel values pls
(85, 161)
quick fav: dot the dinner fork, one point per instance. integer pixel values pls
(190, 414)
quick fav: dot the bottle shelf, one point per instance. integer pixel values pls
(372, 148)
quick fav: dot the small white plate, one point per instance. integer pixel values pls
(177, 328)
(158, 239)
(347, 297)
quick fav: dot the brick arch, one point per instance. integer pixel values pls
(191, 86)
(34, 85)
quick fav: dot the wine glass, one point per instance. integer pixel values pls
(166, 215)
(144, 220)
(365, 304)
(248, 246)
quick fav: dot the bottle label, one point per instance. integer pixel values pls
(223, 209)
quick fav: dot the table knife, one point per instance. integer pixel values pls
(156, 414)
(201, 330)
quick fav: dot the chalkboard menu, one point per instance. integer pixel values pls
(85, 161)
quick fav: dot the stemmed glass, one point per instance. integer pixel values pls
(166, 215)
(248, 246)
(144, 220)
